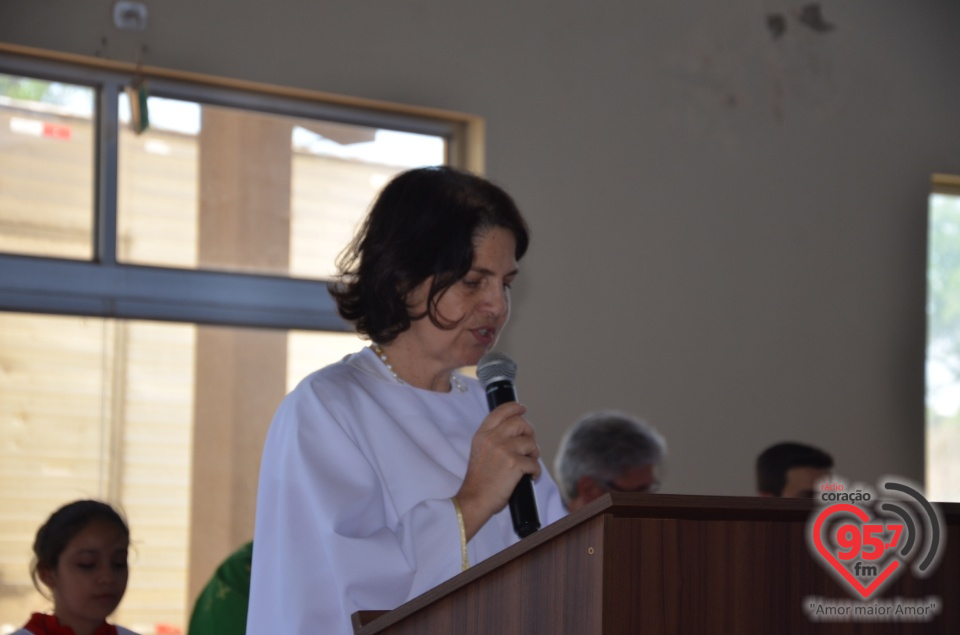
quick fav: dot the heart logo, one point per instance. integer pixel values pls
(851, 539)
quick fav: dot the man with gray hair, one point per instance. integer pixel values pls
(607, 451)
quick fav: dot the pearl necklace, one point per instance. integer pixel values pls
(454, 380)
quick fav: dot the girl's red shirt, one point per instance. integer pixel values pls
(43, 624)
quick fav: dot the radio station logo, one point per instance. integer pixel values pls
(867, 542)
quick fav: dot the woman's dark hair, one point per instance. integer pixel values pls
(65, 523)
(423, 223)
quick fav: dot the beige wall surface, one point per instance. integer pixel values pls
(729, 227)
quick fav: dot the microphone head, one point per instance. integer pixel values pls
(496, 366)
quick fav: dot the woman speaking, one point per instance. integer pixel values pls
(386, 473)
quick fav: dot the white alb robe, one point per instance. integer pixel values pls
(353, 507)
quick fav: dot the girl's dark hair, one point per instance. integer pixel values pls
(65, 523)
(422, 224)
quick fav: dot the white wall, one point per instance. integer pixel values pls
(729, 230)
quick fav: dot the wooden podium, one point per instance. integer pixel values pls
(652, 564)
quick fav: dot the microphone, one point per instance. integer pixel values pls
(496, 372)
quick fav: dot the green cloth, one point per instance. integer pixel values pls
(221, 608)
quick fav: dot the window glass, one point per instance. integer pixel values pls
(943, 349)
(228, 189)
(46, 168)
(157, 186)
(116, 410)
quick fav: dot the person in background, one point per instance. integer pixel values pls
(80, 556)
(608, 451)
(791, 470)
(386, 473)
(221, 608)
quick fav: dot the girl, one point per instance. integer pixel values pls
(81, 557)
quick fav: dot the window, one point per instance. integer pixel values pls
(46, 167)
(160, 292)
(943, 341)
